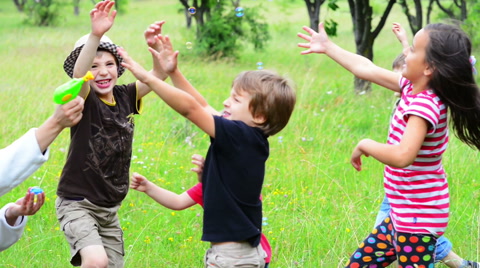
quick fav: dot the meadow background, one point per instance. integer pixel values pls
(317, 208)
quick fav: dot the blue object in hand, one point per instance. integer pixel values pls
(36, 190)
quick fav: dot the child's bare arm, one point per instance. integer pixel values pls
(150, 33)
(401, 155)
(199, 161)
(102, 19)
(182, 102)
(168, 58)
(162, 196)
(358, 65)
(401, 34)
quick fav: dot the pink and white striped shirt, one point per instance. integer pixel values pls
(418, 194)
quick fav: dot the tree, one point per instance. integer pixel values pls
(197, 10)
(313, 9)
(361, 13)
(415, 21)
(20, 4)
(457, 10)
(461, 5)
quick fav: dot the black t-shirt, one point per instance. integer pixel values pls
(98, 161)
(232, 182)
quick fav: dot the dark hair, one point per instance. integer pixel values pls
(272, 96)
(448, 53)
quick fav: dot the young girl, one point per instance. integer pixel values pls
(437, 75)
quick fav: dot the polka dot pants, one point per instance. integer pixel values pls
(384, 245)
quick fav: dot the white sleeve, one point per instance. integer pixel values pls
(9, 235)
(19, 160)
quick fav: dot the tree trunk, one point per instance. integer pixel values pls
(76, 8)
(361, 13)
(313, 9)
(429, 10)
(415, 22)
(20, 4)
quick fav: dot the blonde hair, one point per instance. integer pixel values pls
(272, 97)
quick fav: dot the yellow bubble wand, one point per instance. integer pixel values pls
(70, 90)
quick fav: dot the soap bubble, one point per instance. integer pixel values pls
(192, 10)
(259, 65)
(188, 45)
(239, 12)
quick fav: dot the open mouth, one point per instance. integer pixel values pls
(225, 114)
(104, 83)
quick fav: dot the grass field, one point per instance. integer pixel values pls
(317, 207)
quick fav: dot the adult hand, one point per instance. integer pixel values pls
(25, 206)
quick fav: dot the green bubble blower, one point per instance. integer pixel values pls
(70, 90)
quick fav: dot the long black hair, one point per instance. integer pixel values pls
(448, 53)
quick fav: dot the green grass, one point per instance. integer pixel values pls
(318, 207)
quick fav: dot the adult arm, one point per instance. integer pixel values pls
(9, 234)
(25, 155)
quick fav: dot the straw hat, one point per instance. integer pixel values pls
(105, 43)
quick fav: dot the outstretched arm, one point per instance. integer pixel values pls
(401, 34)
(150, 33)
(182, 102)
(66, 115)
(102, 20)
(162, 196)
(358, 65)
(169, 61)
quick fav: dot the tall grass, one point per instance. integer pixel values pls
(317, 207)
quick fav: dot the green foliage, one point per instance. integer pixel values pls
(43, 12)
(472, 24)
(227, 30)
(121, 6)
(318, 208)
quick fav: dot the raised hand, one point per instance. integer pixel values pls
(102, 17)
(136, 69)
(401, 34)
(167, 58)
(316, 41)
(150, 33)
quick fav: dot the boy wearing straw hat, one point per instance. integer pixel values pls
(94, 180)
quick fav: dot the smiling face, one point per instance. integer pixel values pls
(104, 69)
(416, 66)
(237, 107)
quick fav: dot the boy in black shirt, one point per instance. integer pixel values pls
(260, 105)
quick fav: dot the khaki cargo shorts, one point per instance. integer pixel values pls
(86, 224)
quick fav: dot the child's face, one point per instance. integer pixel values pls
(236, 107)
(415, 63)
(104, 68)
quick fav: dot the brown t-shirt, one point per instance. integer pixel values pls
(98, 161)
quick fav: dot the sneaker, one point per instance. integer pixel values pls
(473, 264)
